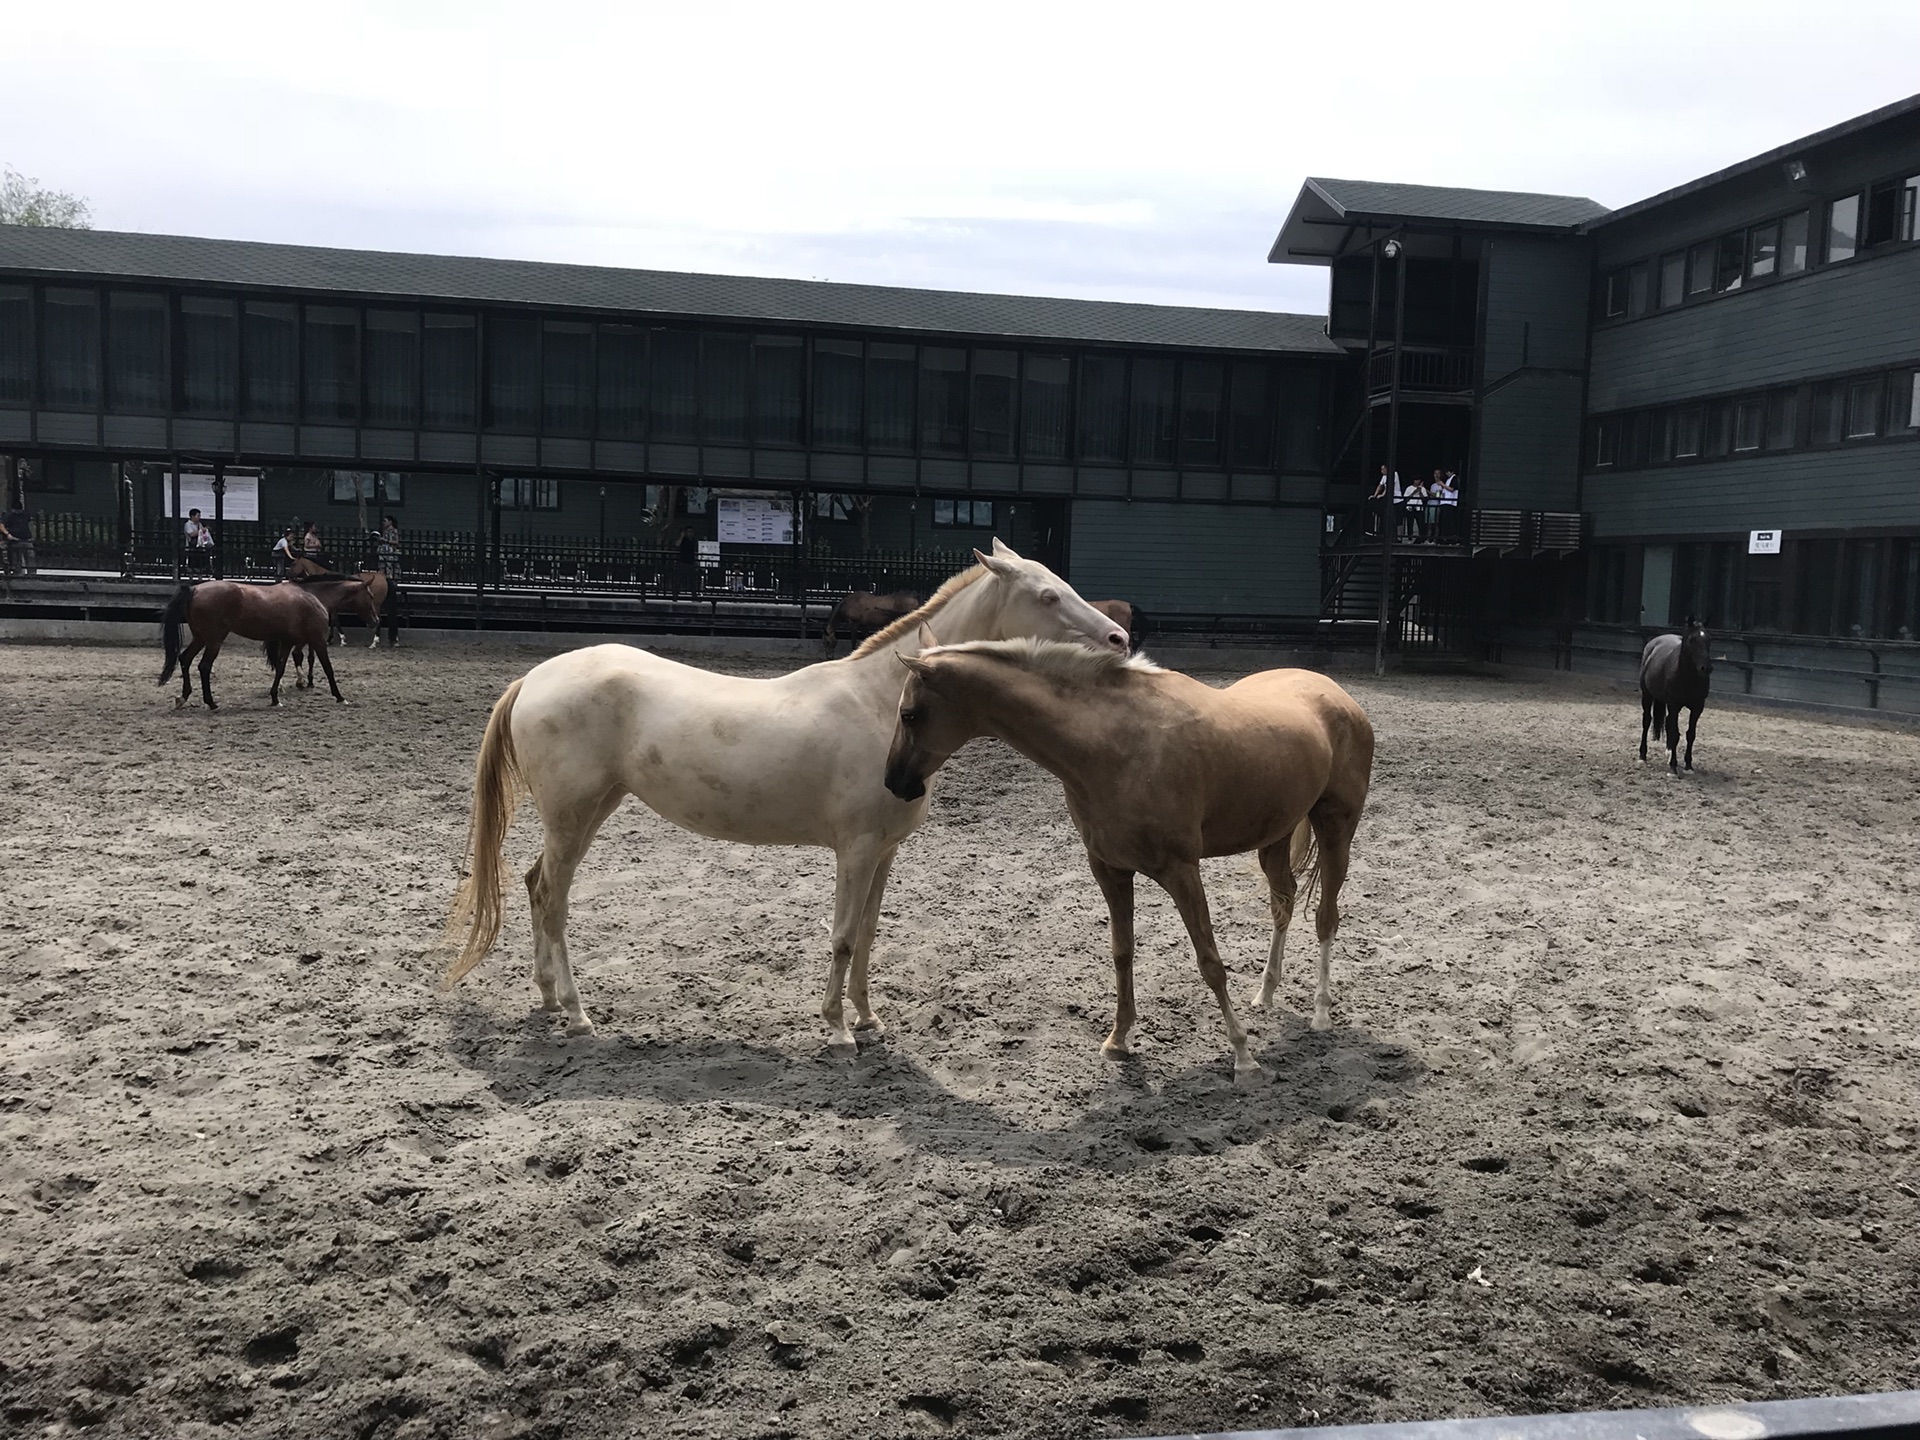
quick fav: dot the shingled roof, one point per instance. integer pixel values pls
(178, 259)
(1308, 236)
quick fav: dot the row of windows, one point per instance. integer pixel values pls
(387, 490)
(343, 365)
(1852, 589)
(1882, 214)
(1830, 412)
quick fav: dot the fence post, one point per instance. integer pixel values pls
(178, 519)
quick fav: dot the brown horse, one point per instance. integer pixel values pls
(1160, 771)
(378, 588)
(1128, 616)
(281, 615)
(863, 612)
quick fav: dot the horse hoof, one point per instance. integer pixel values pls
(842, 1047)
(1116, 1049)
(580, 1028)
(871, 1023)
(1321, 1022)
(1249, 1076)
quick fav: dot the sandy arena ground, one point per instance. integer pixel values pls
(1620, 1107)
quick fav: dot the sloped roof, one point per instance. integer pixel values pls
(181, 259)
(1310, 234)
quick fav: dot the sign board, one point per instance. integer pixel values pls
(709, 554)
(196, 493)
(747, 521)
(1763, 542)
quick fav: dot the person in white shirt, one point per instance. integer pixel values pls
(199, 542)
(1449, 506)
(283, 554)
(1413, 499)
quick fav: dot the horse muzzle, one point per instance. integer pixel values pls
(904, 784)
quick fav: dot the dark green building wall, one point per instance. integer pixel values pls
(1198, 559)
(1877, 485)
(1533, 356)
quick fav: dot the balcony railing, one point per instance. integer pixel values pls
(1422, 367)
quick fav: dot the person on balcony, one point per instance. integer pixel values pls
(1378, 504)
(1430, 515)
(1449, 506)
(1413, 501)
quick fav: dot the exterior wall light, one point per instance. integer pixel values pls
(1391, 249)
(1796, 171)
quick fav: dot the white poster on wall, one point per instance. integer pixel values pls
(196, 493)
(1763, 542)
(747, 521)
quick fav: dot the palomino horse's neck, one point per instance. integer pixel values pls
(970, 613)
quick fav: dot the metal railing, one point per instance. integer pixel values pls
(1422, 367)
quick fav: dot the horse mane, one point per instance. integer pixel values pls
(1059, 658)
(936, 602)
(324, 575)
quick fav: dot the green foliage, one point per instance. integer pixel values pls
(25, 201)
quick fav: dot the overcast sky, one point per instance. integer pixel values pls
(1112, 150)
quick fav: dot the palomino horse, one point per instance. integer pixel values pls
(1159, 772)
(281, 615)
(861, 613)
(1128, 616)
(1675, 671)
(794, 760)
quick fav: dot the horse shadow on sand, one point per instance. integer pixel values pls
(1137, 1113)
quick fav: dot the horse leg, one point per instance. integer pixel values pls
(194, 647)
(1183, 883)
(310, 660)
(326, 664)
(1673, 738)
(207, 657)
(1117, 886)
(570, 832)
(279, 668)
(542, 949)
(1646, 723)
(854, 870)
(1693, 721)
(1282, 889)
(863, 946)
(1333, 829)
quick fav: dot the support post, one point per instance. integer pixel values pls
(1388, 529)
(479, 542)
(219, 520)
(800, 558)
(179, 520)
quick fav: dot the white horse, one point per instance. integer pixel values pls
(795, 760)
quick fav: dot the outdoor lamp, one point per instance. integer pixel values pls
(1391, 249)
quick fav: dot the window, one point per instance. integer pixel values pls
(621, 351)
(1689, 429)
(522, 494)
(1864, 401)
(1763, 251)
(382, 488)
(1903, 415)
(1731, 267)
(1639, 280)
(1200, 382)
(393, 367)
(966, 514)
(329, 368)
(209, 355)
(996, 373)
(448, 371)
(1673, 279)
(891, 374)
(1303, 420)
(1663, 428)
(16, 345)
(724, 362)
(136, 352)
(70, 350)
(1749, 423)
(513, 373)
(1816, 564)
(1046, 407)
(1103, 408)
(1636, 437)
(835, 507)
(1606, 442)
(566, 387)
(1250, 413)
(270, 345)
(1154, 410)
(1793, 243)
(1783, 419)
(1843, 228)
(1890, 211)
(943, 400)
(674, 400)
(1829, 420)
(1700, 262)
(779, 377)
(1615, 299)
(836, 393)
(1719, 427)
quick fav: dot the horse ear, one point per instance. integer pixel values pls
(994, 562)
(1004, 550)
(913, 663)
(927, 638)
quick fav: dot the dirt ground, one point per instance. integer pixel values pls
(1619, 1109)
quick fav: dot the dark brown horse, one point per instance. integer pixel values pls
(386, 599)
(1675, 673)
(862, 612)
(1128, 616)
(282, 616)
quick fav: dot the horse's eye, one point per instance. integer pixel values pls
(909, 717)
(1049, 597)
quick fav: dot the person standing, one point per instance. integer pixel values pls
(687, 567)
(199, 543)
(1450, 506)
(387, 546)
(312, 547)
(1378, 504)
(1413, 501)
(283, 554)
(16, 529)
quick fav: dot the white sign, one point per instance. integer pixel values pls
(744, 521)
(196, 493)
(709, 554)
(1763, 542)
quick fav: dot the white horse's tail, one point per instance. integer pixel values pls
(1304, 858)
(496, 794)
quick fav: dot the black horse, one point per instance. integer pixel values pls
(1674, 674)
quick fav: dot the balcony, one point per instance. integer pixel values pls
(1424, 369)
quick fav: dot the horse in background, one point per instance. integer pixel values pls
(861, 613)
(282, 616)
(1128, 616)
(1161, 772)
(386, 598)
(1675, 671)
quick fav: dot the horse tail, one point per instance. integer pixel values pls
(496, 794)
(1304, 859)
(170, 622)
